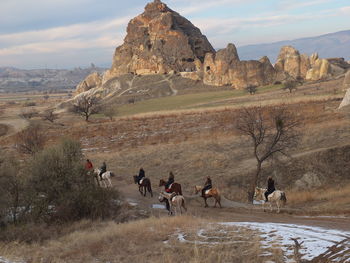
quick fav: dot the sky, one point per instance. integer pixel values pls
(76, 33)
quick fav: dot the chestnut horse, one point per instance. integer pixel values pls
(213, 192)
(174, 188)
(145, 185)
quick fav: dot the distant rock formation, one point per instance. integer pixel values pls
(159, 41)
(292, 64)
(94, 80)
(225, 68)
(162, 42)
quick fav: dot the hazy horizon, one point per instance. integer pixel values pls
(65, 34)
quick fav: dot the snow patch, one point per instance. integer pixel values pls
(316, 240)
(157, 206)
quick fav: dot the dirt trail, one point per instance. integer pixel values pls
(231, 211)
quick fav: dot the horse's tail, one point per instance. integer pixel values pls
(112, 174)
(283, 198)
(149, 186)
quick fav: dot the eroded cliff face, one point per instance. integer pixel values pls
(160, 41)
(225, 68)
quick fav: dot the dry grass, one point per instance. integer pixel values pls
(325, 200)
(143, 241)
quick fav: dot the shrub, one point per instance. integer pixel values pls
(11, 189)
(61, 190)
(30, 140)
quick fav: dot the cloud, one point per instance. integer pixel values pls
(98, 34)
(295, 4)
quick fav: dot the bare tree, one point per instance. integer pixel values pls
(251, 89)
(30, 140)
(49, 115)
(290, 85)
(86, 106)
(272, 131)
(110, 111)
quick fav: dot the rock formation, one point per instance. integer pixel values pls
(346, 86)
(159, 41)
(225, 68)
(94, 80)
(162, 42)
(291, 63)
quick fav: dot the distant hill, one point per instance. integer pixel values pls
(20, 80)
(328, 46)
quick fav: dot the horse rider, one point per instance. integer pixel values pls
(270, 187)
(141, 175)
(103, 169)
(88, 166)
(171, 180)
(208, 185)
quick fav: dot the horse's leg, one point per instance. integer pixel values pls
(205, 201)
(145, 191)
(278, 206)
(110, 182)
(271, 209)
(184, 205)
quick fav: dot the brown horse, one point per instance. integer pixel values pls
(145, 185)
(175, 187)
(213, 192)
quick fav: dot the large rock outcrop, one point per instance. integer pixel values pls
(159, 41)
(225, 68)
(291, 64)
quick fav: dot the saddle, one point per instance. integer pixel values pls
(140, 182)
(207, 191)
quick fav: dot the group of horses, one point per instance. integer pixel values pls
(175, 200)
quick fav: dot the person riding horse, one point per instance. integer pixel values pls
(270, 187)
(141, 175)
(103, 169)
(171, 180)
(208, 185)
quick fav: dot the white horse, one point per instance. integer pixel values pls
(105, 178)
(176, 202)
(278, 197)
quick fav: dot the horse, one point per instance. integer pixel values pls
(145, 185)
(278, 197)
(105, 178)
(174, 187)
(213, 192)
(173, 201)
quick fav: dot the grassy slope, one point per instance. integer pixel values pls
(188, 101)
